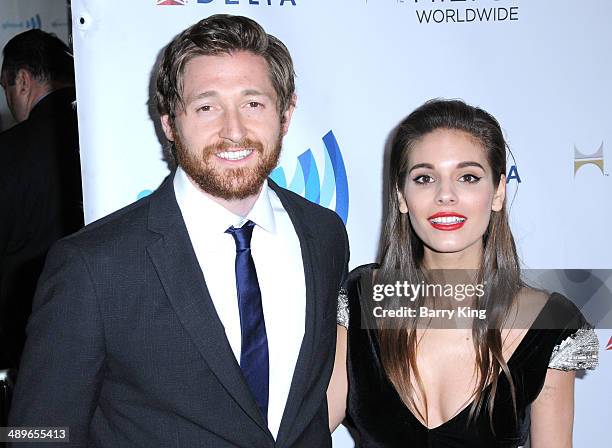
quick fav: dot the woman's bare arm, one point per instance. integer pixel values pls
(338, 386)
(552, 413)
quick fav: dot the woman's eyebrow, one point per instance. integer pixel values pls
(421, 165)
(466, 164)
(459, 165)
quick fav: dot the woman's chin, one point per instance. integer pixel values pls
(449, 247)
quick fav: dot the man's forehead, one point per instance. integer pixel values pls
(198, 94)
(238, 63)
(239, 82)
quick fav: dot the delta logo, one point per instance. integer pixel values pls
(171, 2)
(252, 2)
(609, 346)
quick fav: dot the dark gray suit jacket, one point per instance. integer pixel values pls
(124, 345)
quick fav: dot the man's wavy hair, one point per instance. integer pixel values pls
(217, 35)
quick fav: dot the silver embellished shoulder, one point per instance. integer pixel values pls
(576, 352)
(342, 317)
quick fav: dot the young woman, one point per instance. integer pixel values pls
(492, 383)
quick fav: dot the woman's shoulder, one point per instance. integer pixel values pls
(575, 345)
(356, 274)
(539, 309)
(559, 313)
(350, 289)
(358, 282)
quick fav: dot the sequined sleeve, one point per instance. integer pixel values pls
(576, 352)
(343, 310)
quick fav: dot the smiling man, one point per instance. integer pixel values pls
(204, 314)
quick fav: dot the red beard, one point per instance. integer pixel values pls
(228, 184)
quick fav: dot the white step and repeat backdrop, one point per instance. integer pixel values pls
(544, 69)
(17, 16)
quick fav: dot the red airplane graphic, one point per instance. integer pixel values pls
(171, 2)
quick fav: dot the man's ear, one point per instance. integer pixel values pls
(286, 117)
(500, 194)
(166, 123)
(23, 81)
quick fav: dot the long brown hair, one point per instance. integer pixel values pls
(402, 251)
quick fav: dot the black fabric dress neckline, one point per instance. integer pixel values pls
(377, 417)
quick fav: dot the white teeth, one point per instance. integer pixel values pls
(235, 155)
(447, 220)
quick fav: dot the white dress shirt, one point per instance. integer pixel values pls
(278, 261)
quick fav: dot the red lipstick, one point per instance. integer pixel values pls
(447, 221)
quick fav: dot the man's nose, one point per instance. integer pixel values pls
(233, 128)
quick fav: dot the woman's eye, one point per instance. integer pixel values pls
(254, 104)
(423, 179)
(469, 178)
(205, 108)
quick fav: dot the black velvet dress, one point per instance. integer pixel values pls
(377, 416)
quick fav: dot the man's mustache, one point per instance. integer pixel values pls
(245, 143)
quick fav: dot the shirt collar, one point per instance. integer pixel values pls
(211, 216)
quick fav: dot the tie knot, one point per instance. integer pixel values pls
(242, 235)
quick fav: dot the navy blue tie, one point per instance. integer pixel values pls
(254, 358)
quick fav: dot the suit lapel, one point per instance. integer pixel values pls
(314, 315)
(182, 279)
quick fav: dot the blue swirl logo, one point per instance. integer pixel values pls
(307, 180)
(34, 22)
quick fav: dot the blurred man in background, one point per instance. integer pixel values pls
(40, 177)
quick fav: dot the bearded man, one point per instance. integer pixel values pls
(204, 314)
